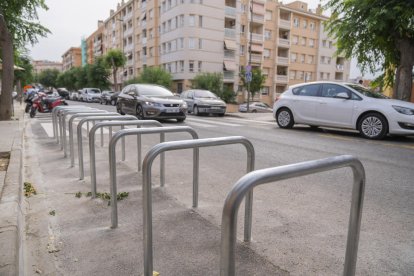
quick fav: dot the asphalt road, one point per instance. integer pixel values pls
(300, 225)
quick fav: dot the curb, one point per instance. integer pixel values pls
(12, 215)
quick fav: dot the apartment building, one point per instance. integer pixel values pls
(72, 58)
(41, 65)
(187, 37)
(95, 45)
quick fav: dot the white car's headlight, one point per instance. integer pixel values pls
(153, 104)
(403, 110)
(184, 105)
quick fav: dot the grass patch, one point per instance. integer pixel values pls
(29, 190)
(104, 196)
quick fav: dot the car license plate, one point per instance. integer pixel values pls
(172, 110)
(215, 107)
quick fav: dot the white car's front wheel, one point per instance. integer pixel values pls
(284, 118)
(373, 126)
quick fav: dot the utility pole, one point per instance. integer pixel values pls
(249, 66)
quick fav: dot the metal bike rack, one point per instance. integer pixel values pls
(93, 119)
(162, 131)
(62, 118)
(246, 184)
(146, 175)
(82, 115)
(92, 159)
(54, 116)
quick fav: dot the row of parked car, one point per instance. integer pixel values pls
(94, 95)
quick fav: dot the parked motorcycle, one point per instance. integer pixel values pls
(43, 104)
(29, 101)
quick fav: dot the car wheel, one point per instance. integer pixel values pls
(254, 111)
(180, 120)
(195, 111)
(284, 118)
(33, 112)
(113, 102)
(101, 101)
(373, 126)
(119, 109)
(140, 112)
(313, 127)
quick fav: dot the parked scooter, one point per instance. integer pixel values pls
(43, 104)
(29, 100)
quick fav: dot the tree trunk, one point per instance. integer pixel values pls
(404, 79)
(114, 72)
(6, 46)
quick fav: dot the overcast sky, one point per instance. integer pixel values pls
(69, 20)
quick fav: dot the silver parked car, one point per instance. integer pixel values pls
(256, 107)
(148, 101)
(203, 102)
(90, 95)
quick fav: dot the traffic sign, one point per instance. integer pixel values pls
(249, 76)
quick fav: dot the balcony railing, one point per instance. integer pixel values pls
(229, 54)
(228, 75)
(144, 40)
(284, 23)
(339, 67)
(256, 58)
(229, 32)
(258, 18)
(230, 11)
(282, 60)
(128, 48)
(284, 42)
(282, 78)
(257, 37)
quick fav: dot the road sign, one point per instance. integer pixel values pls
(248, 68)
(249, 76)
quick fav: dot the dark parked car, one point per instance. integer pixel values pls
(148, 101)
(203, 102)
(63, 92)
(114, 98)
(106, 97)
(256, 107)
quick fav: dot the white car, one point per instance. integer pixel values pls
(344, 105)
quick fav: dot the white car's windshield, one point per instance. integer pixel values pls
(204, 94)
(95, 91)
(367, 92)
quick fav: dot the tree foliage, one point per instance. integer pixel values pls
(18, 26)
(48, 77)
(98, 75)
(155, 75)
(377, 33)
(115, 59)
(257, 82)
(26, 75)
(214, 83)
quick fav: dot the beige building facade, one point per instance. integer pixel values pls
(71, 58)
(41, 65)
(187, 37)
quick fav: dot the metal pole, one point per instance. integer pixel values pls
(92, 135)
(259, 177)
(146, 175)
(162, 162)
(123, 145)
(250, 54)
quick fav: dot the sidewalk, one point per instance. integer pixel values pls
(11, 215)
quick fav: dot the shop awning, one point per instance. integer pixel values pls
(230, 44)
(230, 65)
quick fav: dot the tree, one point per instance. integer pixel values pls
(156, 75)
(257, 82)
(377, 32)
(17, 27)
(98, 74)
(115, 59)
(48, 77)
(209, 81)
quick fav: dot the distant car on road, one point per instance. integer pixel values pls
(344, 105)
(203, 102)
(148, 101)
(74, 96)
(63, 92)
(106, 97)
(90, 95)
(256, 107)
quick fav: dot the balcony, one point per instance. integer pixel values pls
(258, 18)
(229, 54)
(144, 41)
(282, 78)
(130, 62)
(284, 23)
(230, 11)
(228, 75)
(143, 6)
(282, 60)
(128, 32)
(339, 67)
(284, 42)
(230, 32)
(256, 58)
(257, 37)
(128, 48)
(143, 24)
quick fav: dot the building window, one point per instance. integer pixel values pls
(296, 22)
(268, 15)
(312, 26)
(200, 66)
(305, 24)
(191, 65)
(292, 74)
(242, 50)
(191, 20)
(200, 43)
(293, 57)
(295, 39)
(265, 90)
(329, 60)
(268, 35)
(322, 59)
(200, 21)
(330, 44)
(302, 58)
(242, 29)
(266, 53)
(181, 22)
(181, 42)
(181, 66)
(310, 59)
(303, 41)
(324, 43)
(311, 42)
(191, 43)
